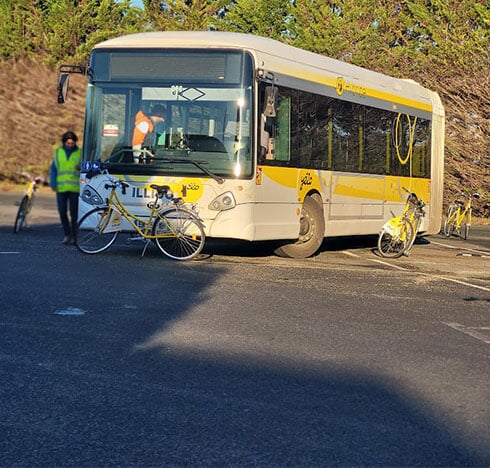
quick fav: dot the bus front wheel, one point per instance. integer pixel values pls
(311, 233)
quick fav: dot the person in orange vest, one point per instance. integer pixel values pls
(144, 133)
(65, 181)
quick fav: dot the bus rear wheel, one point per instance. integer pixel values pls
(311, 232)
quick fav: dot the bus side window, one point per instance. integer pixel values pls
(275, 127)
(264, 137)
(268, 121)
(283, 136)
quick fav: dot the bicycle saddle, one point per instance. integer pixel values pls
(161, 189)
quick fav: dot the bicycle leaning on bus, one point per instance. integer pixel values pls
(175, 227)
(25, 204)
(398, 234)
(458, 216)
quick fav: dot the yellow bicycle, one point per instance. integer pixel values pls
(176, 229)
(458, 217)
(25, 205)
(398, 234)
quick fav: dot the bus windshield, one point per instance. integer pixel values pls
(172, 113)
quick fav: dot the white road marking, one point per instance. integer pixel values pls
(346, 252)
(431, 275)
(8, 253)
(465, 283)
(480, 252)
(70, 311)
(388, 264)
(473, 255)
(471, 331)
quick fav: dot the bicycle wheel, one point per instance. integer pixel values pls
(179, 233)
(20, 219)
(465, 225)
(415, 227)
(91, 238)
(393, 244)
(450, 221)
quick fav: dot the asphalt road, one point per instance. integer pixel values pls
(242, 358)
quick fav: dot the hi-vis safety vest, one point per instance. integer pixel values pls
(67, 173)
(139, 133)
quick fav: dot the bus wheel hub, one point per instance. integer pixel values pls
(306, 228)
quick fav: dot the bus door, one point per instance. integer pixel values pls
(277, 206)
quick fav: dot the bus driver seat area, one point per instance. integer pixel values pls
(204, 143)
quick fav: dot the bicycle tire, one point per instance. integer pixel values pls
(465, 225)
(450, 221)
(20, 218)
(390, 246)
(415, 227)
(179, 233)
(89, 238)
(30, 202)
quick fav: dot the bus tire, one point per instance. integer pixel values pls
(312, 232)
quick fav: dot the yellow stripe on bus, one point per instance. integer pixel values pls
(363, 186)
(360, 89)
(359, 187)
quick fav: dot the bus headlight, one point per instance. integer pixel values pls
(91, 196)
(223, 202)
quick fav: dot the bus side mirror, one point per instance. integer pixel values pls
(63, 74)
(270, 104)
(62, 87)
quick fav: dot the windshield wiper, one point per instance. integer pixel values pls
(198, 164)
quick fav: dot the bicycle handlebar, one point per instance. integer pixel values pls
(414, 199)
(117, 183)
(468, 195)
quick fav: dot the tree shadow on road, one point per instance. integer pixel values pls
(151, 375)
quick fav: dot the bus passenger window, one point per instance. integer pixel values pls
(282, 141)
(264, 137)
(275, 126)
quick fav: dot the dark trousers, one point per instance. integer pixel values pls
(68, 201)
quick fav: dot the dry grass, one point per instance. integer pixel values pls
(31, 120)
(467, 102)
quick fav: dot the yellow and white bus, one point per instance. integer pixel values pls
(269, 141)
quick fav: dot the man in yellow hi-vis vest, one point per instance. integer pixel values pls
(65, 180)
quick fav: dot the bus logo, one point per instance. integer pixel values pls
(340, 86)
(306, 180)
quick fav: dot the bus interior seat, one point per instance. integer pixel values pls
(205, 143)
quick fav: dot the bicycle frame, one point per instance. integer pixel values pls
(31, 189)
(115, 204)
(26, 205)
(460, 213)
(410, 214)
(177, 230)
(398, 234)
(458, 216)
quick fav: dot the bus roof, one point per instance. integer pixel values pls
(277, 57)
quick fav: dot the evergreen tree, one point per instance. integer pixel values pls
(453, 33)
(408, 37)
(267, 18)
(14, 35)
(60, 30)
(184, 15)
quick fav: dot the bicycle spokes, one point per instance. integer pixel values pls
(179, 234)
